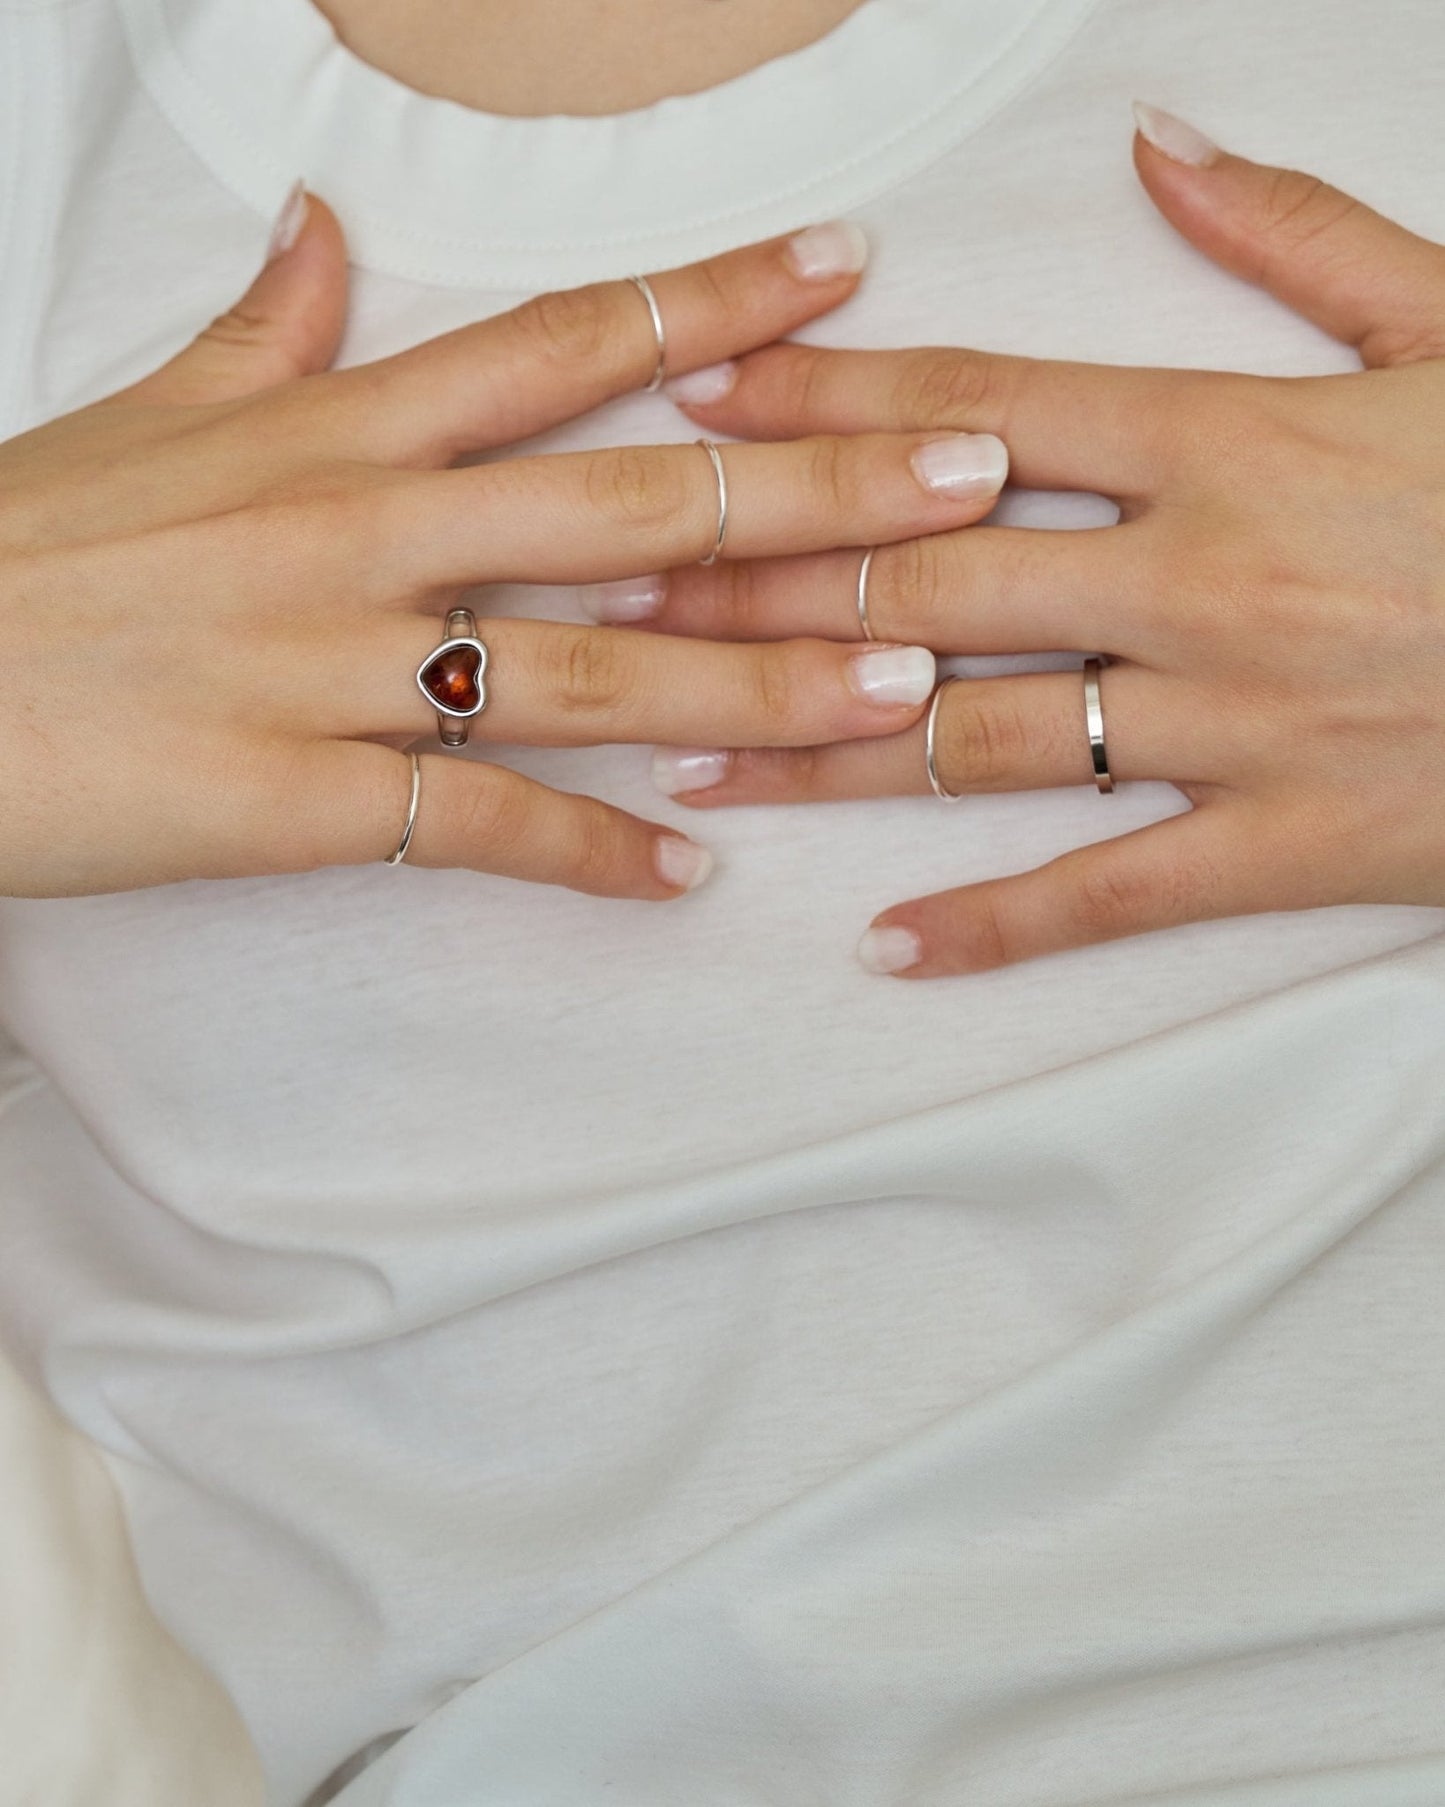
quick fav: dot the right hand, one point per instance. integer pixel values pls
(217, 584)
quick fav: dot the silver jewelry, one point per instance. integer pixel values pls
(452, 677)
(395, 859)
(644, 288)
(1094, 715)
(863, 570)
(722, 500)
(929, 744)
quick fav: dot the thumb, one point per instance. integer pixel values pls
(1358, 275)
(287, 324)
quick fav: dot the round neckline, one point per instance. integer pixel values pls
(436, 192)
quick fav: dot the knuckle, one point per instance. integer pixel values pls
(911, 579)
(776, 690)
(1296, 208)
(592, 857)
(742, 605)
(988, 739)
(637, 488)
(239, 325)
(491, 817)
(945, 388)
(832, 475)
(985, 937)
(568, 326)
(589, 675)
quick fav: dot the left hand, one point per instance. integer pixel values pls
(1272, 601)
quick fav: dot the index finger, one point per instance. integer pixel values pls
(568, 351)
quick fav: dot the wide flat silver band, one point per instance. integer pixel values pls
(722, 499)
(863, 571)
(395, 859)
(929, 744)
(644, 288)
(1094, 716)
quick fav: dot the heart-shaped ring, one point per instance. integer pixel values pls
(452, 677)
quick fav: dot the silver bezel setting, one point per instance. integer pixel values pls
(450, 645)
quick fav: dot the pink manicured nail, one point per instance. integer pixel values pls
(890, 950)
(964, 464)
(677, 769)
(289, 222)
(681, 862)
(822, 253)
(629, 599)
(698, 387)
(1175, 137)
(893, 674)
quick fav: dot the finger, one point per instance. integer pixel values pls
(347, 804)
(553, 684)
(981, 590)
(585, 516)
(1361, 277)
(287, 324)
(1067, 426)
(1188, 868)
(566, 352)
(991, 734)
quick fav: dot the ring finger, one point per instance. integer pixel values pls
(992, 734)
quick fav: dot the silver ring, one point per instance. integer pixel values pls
(933, 777)
(395, 859)
(863, 592)
(1094, 715)
(453, 677)
(645, 290)
(722, 500)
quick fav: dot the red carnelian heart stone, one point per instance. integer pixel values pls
(451, 677)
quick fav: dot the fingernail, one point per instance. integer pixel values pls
(289, 222)
(890, 950)
(629, 599)
(1175, 137)
(893, 674)
(676, 769)
(710, 384)
(964, 464)
(837, 248)
(681, 862)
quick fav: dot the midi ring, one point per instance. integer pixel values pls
(1094, 715)
(930, 747)
(722, 499)
(452, 677)
(644, 288)
(863, 571)
(395, 859)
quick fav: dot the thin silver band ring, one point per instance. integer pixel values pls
(644, 288)
(930, 746)
(395, 859)
(722, 500)
(1094, 715)
(863, 570)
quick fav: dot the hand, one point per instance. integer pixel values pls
(1273, 599)
(216, 586)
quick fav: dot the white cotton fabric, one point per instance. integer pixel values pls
(628, 1348)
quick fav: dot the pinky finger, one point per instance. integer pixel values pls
(1188, 868)
(350, 799)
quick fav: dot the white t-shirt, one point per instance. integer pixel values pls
(631, 1344)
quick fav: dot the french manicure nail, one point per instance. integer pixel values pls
(821, 253)
(629, 599)
(681, 862)
(697, 387)
(893, 674)
(289, 222)
(963, 464)
(1175, 137)
(890, 950)
(677, 769)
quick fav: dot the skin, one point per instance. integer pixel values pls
(1273, 598)
(217, 585)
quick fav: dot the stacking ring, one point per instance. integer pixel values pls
(395, 859)
(452, 677)
(1094, 715)
(863, 570)
(929, 745)
(644, 288)
(722, 500)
